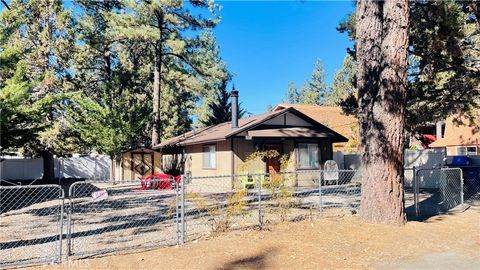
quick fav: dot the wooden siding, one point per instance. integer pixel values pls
(127, 172)
(194, 159)
(242, 149)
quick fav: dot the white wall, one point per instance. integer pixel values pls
(20, 169)
(75, 167)
(420, 159)
(85, 167)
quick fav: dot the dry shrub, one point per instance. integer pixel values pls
(220, 215)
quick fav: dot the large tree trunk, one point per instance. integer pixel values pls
(156, 128)
(382, 40)
(48, 167)
(156, 101)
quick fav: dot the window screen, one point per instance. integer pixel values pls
(308, 156)
(209, 157)
(467, 150)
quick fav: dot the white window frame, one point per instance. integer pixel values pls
(310, 167)
(466, 151)
(206, 153)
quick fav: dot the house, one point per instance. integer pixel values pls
(461, 136)
(223, 149)
(334, 118)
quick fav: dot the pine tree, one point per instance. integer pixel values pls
(293, 94)
(443, 79)
(221, 107)
(111, 110)
(313, 92)
(269, 108)
(444, 41)
(40, 34)
(316, 88)
(171, 31)
(343, 83)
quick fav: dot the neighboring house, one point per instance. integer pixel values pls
(334, 118)
(461, 136)
(222, 149)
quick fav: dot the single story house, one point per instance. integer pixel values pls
(223, 149)
(461, 136)
(334, 118)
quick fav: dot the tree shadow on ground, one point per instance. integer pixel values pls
(433, 206)
(251, 262)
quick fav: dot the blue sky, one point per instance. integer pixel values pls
(267, 44)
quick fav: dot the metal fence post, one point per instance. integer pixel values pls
(415, 190)
(60, 235)
(461, 189)
(69, 227)
(177, 212)
(182, 213)
(320, 193)
(260, 213)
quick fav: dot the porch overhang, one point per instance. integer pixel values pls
(296, 132)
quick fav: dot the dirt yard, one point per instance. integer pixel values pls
(442, 242)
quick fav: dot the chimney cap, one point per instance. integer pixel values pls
(234, 93)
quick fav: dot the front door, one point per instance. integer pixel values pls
(273, 164)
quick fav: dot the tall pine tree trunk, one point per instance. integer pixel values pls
(156, 99)
(382, 40)
(157, 83)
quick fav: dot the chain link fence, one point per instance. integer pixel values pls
(105, 217)
(39, 225)
(212, 206)
(437, 191)
(30, 224)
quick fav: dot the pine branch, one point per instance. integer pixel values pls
(5, 4)
(186, 61)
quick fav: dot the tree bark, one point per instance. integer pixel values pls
(156, 127)
(48, 167)
(156, 100)
(382, 40)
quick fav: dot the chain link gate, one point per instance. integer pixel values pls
(31, 224)
(105, 217)
(438, 190)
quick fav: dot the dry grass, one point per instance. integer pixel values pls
(442, 242)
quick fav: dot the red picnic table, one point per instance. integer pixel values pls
(159, 181)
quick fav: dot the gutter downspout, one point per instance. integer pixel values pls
(232, 162)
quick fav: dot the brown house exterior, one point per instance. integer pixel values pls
(334, 118)
(461, 137)
(222, 149)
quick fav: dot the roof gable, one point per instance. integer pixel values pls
(460, 131)
(224, 131)
(330, 116)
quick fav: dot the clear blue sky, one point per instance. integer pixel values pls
(268, 44)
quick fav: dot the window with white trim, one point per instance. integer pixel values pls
(466, 150)
(209, 157)
(308, 156)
